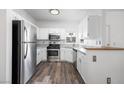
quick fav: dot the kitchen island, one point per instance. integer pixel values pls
(100, 64)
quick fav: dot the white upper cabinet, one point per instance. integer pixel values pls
(94, 27)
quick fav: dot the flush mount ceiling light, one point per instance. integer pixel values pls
(54, 11)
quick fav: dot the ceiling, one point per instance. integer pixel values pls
(66, 15)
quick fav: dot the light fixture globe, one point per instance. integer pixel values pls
(54, 11)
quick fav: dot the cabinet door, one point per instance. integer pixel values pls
(79, 62)
(66, 54)
(62, 54)
(44, 54)
(94, 27)
(69, 55)
(41, 55)
(82, 64)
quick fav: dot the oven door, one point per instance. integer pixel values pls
(53, 54)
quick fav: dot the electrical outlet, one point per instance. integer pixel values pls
(94, 58)
(108, 80)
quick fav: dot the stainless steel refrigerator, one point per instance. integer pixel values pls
(23, 51)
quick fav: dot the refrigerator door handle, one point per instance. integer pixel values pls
(25, 55)
(26, 51)
(26, 33)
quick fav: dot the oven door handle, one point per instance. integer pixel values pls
(53, 49)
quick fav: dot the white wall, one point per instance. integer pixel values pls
(6, 17)
(2, 45)
(109, 64)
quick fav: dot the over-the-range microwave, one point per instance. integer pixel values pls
(53, 36)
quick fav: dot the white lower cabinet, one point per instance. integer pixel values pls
(66, 54)
(62, 54)
(41, 55)
(69, 55)
(80, 62)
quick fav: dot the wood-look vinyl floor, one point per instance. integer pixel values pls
(56, 73)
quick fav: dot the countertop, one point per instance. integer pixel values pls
(42, 45)
(105, 48)
(82, 50)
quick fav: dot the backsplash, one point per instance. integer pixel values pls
(89, 42)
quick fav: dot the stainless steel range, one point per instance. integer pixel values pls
(53, 52)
